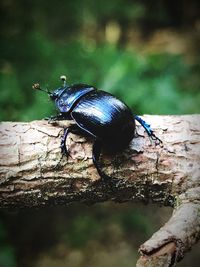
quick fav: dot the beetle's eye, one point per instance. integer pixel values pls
(53, 96)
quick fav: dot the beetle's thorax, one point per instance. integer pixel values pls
(66, 97)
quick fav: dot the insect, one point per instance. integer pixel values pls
(98, 114)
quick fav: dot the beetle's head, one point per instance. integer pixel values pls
(66, 95)
(56, 94)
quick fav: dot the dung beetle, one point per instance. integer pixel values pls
(98, 114)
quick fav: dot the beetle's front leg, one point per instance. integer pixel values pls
(57, 117)
(70, 129)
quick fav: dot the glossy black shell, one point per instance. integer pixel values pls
(66, 97)
(99, 114)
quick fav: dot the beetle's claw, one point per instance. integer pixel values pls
(149, 131)
(51, 119)
(48, 119)
(158, 141)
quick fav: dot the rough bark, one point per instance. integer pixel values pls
(33, 173)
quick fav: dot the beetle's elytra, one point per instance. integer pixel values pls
(98, 114)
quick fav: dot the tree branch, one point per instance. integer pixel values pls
(33, 173)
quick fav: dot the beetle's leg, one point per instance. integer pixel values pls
(70, 129)
(57, 117)
(63, 146)
(149, 131)
(96, 151)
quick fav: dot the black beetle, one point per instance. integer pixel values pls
(97, 113)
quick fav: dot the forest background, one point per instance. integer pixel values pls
(144, 52)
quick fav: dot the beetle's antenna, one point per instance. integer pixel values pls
(36, 86)
(64, 79)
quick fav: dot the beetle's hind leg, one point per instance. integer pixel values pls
(149, 131)
(96, 151)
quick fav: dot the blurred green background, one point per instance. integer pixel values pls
(146, 53)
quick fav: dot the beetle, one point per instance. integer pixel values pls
(98, 114)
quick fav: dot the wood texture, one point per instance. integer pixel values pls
(33, 173)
